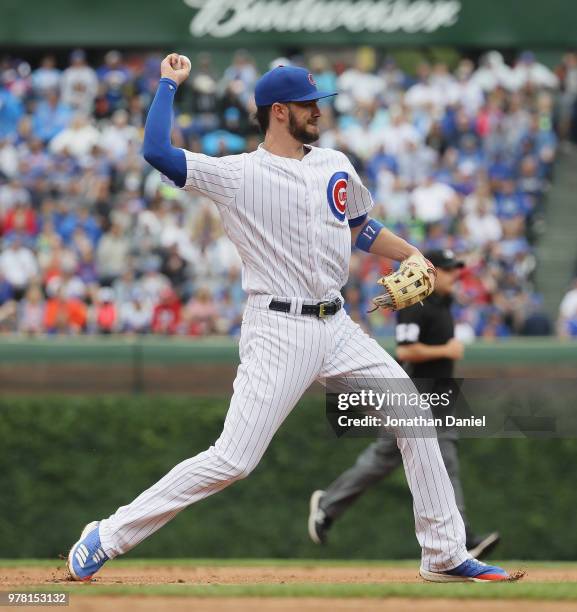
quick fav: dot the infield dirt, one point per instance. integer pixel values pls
(144, 575)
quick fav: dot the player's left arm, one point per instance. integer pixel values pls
(367, 233)
(371, 236)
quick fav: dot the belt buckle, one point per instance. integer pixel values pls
(322, 309)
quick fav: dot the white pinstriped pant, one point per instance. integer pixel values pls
(281, 356)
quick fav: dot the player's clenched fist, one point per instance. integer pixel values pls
(175, 67)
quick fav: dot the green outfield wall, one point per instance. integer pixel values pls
(164, 365)
(67, 460)
(114, 349)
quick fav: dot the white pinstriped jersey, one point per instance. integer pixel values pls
(287, 217)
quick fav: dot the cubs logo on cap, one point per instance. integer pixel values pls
(337, 194)
(312, 79)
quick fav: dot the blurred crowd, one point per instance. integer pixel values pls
(93, 242)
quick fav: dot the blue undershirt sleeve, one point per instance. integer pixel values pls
(157, 149)
(357, 221)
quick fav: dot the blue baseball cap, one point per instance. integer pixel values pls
(287, 84)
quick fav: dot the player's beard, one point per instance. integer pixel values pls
(299, 132)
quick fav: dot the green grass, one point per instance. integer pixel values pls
(519, 590)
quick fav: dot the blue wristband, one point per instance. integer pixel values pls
(368, 235)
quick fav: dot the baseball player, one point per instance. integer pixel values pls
(292, 211)
(427, 348)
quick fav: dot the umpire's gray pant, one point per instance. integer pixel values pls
(378, 461)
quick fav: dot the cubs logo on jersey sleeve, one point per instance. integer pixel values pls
(337, 194)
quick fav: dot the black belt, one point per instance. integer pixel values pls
(320, 310)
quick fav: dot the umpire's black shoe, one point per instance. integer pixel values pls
(319, 522)
(480, 546)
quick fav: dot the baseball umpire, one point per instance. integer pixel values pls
(427, 349)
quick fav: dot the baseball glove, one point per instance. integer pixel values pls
(410, 284)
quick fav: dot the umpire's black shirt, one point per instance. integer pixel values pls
(432, 324)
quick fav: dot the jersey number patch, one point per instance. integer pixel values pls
(337, 194)
(407, 332)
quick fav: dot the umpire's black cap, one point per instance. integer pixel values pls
(445, 259)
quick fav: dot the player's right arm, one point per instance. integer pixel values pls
(215, 178)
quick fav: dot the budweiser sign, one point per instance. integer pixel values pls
(222, 18)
